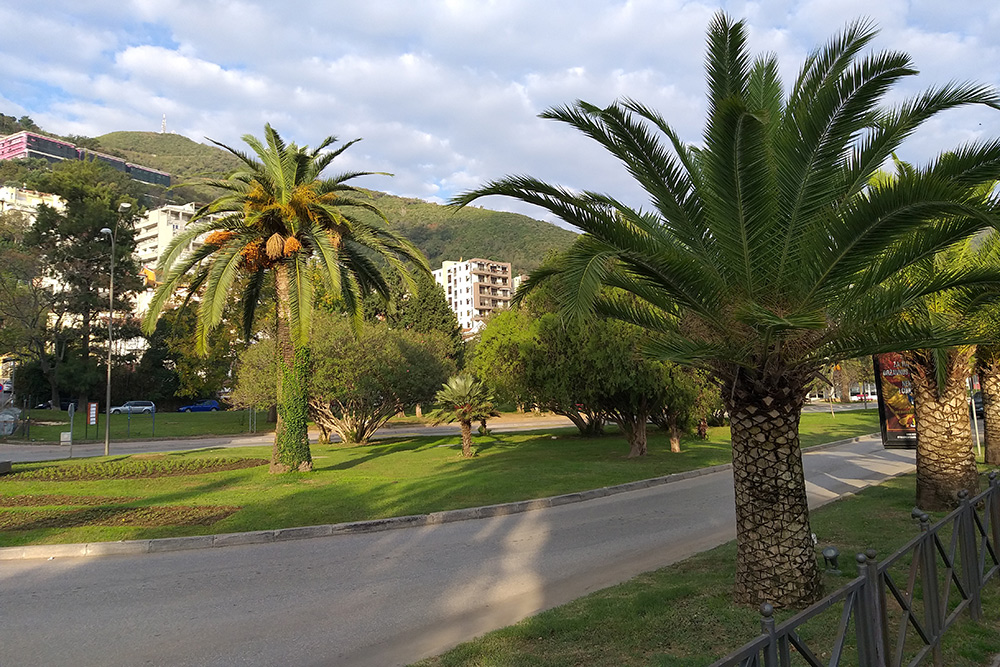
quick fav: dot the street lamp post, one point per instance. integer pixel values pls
(123, 209)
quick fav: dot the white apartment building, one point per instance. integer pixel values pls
(27, 201)
(153, 233)
(475, 288)
(155, 230)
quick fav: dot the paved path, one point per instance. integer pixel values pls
(23, 453)
(379, 598)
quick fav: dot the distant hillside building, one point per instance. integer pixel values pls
(475, 288)
(21, 145)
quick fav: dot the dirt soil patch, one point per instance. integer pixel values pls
(145, 517)
(133, 468)
(78, 501)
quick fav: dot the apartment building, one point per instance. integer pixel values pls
(155, 230)
(26, 144)
(475, 288)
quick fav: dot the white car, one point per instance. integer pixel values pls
(130, 407)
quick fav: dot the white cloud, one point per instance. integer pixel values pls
(445, 93)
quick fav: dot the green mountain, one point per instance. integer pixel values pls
(439, 231)
(443, 232)
(183, 158)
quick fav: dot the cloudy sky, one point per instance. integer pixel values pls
(445, 93)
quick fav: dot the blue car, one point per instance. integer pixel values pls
(201, 406)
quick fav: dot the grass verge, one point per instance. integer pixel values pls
(683, 614)
(387, 478)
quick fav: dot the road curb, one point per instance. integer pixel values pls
(161, 545)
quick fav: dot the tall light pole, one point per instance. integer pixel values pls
(123, 209)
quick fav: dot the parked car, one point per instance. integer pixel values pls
(64, 404)
(130, 407)
(201, 406)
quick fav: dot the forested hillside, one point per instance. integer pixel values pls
(439, 231)
(183, 158)
(442, 232)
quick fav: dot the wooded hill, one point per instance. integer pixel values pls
(439, 231)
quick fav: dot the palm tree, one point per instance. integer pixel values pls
(988, 366)
(465, 400)
(764, 253)
(946, 463)
(277, 218)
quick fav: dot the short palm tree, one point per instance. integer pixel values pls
(764, 253)
(278, 219)
(465, 400)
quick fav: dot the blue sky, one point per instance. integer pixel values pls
(445, 93)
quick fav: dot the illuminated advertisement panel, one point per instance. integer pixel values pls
(895, 401)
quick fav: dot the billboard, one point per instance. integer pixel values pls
(895, 401)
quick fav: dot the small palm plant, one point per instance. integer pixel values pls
(464, 399)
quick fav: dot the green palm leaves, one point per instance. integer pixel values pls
(769, 230)
(767, 250)
(462, 398)
(276, 215)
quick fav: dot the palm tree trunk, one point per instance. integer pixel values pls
(675, 434)
(291, 436)
(845, 386)
(946, 463)
(989, 378)
(466, 438)
(776, 558)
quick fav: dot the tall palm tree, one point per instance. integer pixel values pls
(764, 254)
(465, 400)
(946, 463)
(278, 219)
(988, 366)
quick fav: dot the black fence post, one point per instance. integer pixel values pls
(863, 618)
(879, 620)
(932, 597)
(767, 627)
(994, 504)
(970, 555)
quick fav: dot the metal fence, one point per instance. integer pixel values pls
(897, 610)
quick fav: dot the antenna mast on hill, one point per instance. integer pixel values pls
(163, 125)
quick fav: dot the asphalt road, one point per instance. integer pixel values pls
(379, 598)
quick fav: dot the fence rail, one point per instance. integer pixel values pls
(896, 611)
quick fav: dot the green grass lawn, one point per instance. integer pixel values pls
(682, 615)
(46, 425)
(387, 478)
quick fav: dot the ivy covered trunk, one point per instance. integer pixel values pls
(946, 463)
(776, 558)
(291, 434)
(989, 379)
